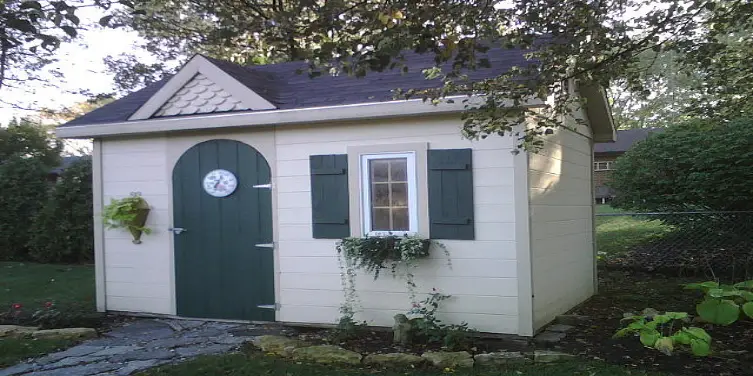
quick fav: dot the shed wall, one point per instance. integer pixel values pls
(561, 223)
(482, 278)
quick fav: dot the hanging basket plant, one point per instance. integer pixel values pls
(129, 213)
(372, 254)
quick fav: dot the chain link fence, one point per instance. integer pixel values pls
(715, 244)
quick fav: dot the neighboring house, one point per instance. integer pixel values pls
(266, 169)
(65, 162)
(606, 153)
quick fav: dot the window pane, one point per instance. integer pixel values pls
(380, 220)
(399, 194)
(379, 169)
(400, 220)
(380, 195)
(399, 170)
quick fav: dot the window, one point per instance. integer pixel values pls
(388, 185)
(603, 166)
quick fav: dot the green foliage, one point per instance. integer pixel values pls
(122, 213)
(347, 328)
(427, 328)
(594, 44)
(681, 169)
(656, 330)
(372, 253)
(26, 138)
(722, 303)
(23, 187)
(62, 231)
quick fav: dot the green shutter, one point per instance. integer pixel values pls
(451, 194)
(329, 196)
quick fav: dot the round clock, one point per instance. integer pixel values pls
(220, 183)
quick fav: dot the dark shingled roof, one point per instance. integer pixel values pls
(625, 140)
(286, 89)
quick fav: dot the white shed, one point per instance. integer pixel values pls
(265, 169)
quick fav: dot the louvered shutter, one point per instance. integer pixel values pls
(329, 196)
(450, 175)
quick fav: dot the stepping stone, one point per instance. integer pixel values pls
(117, 350)
(545, 356)
(189, 352)
(327, 354)
(501, 358)
(443, 359)
(18, 369)
(169, 343)
(80, 350)
(143, 355)
(548, 337)
(394, 359)
(72, 361)
(136, 366)
(82, 370)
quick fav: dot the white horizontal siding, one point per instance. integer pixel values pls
(138, 276)
(561, 224)
(482, 274)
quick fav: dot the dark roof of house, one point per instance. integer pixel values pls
(66, 162)
(281, 85)
(625, 140)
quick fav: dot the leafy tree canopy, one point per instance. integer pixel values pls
(697, 165)
(30, 33)
(601, 42)
(28, 139)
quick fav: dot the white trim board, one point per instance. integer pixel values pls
(360, 111)
(199, 64)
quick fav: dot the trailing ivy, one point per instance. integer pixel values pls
(373, 254)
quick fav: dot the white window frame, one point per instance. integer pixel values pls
(607, 164)
(366, 193)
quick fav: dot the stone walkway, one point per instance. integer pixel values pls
(142, 344)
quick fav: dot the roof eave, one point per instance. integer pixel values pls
(312, 115)
(599, 112)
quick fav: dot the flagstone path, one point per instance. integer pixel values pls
(142, 344)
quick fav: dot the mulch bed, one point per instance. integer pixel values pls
(629, 291)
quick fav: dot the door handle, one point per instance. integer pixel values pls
(177, 230)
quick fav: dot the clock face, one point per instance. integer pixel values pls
(220, 183)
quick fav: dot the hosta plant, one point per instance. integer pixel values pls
(657, 331)
(722, 304)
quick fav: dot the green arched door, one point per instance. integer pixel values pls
(224, 262)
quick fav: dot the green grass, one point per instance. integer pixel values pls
(14, 350)
(256, 365)
(616, 235)
(67, 286)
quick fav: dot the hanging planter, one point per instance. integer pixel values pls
(129, 213)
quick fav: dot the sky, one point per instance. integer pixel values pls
(82, 65)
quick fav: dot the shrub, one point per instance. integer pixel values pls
(722, 304)
(656, 331)
(691, 166)
(23, 189)
(62, 231)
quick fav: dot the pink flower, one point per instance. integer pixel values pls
(17, 306)
(48, 305)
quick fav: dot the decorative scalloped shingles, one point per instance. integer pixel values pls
(200, 96)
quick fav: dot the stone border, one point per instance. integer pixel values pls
(327, 354)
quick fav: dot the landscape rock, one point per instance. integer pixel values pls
(548, 337)
(277, 345)
(443, 359)
(66, 333)
(546, 356)
(16, 330)
(327, 354)
(17, 369)
(394, 359)
(136, 366)
(501, 358)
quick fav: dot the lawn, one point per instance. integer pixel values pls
(69, 287)
(31, 285)
(617, 234)
(253, 364)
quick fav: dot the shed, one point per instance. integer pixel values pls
(265, 169)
